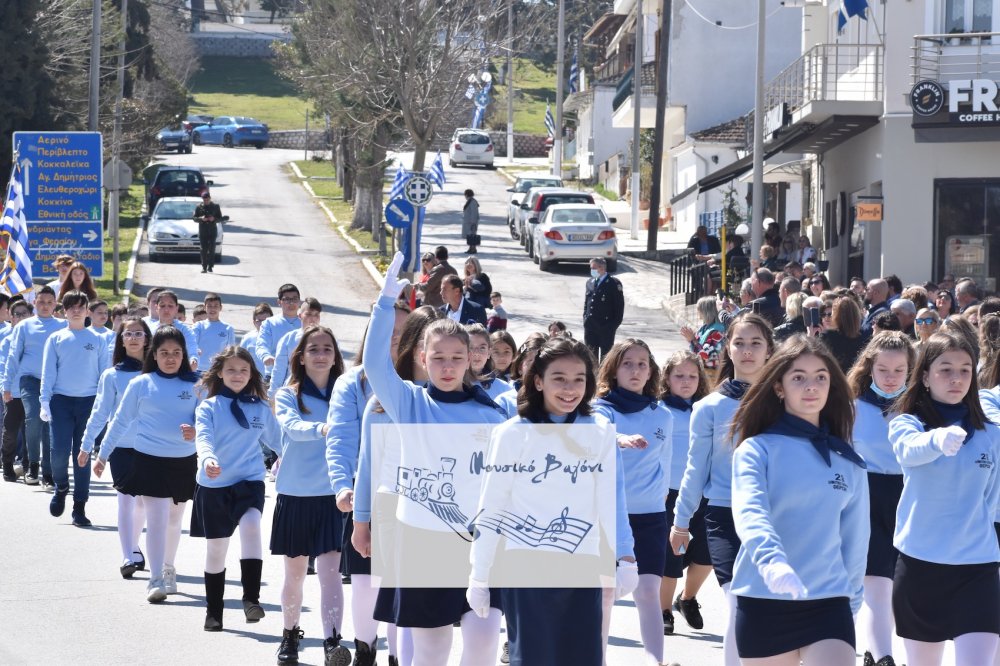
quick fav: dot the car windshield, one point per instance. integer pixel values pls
(176, 210)
(571, 199)
(245, 121)
(526, 185)
(578, 217)
(473, 139)
(191, 178)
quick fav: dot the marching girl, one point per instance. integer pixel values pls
(627, 386)
(946, 585)
(550, 625)
(519, 368)
(306, 521)
(877, 379)
(749, 343)
(502, 350)
(130, 347)
(448, 398)
(160, 406)
(231, 424)
(481, 364)
(800, 505)
(683, 382)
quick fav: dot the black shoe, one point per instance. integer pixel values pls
(212, 623)
(215, 589)
(393, 661)
(869, 659)
(205, 270)
(311, 566)
(128, 569)
(288, 651)
(80, 515)
(346, 579)
(688, 608)
(884, 661)
(364, 653)
(210, 269)
(250, 572)
(505, 655)
(140, 564)
(253, 611)
(668, 623)
(335, 654)
(57, 505)
(10, 478)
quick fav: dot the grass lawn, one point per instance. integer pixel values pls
(533, 86)
(333, 197)
(247, 87)
(128, 225)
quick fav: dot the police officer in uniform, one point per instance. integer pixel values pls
(207, 215)
(603, 308)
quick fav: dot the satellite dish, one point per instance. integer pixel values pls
(486, 77)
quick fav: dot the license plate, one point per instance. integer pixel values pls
(580, 237)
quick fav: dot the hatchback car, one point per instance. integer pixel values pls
(173, 231)
(574, 232)
(175, 181)
(174, 137)
(521, 187)
(470, 146)
(230, 131)
(536, 200)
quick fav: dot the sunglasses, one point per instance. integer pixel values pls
(926, 321)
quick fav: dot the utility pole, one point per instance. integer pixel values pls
(95, 66)
(557, 141)
(114, 204)
(510, 80)
(662, 60)
(636, 119)
(757, 211)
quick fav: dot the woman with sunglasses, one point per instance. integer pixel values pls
(926, 324)
(818, 284)
(944, 303)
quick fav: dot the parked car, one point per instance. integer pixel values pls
(175, 137)
(173, 231)
(521, 187)
(471, 146)
(536, 200)
(232, 131)
(196, 121)
(175, 181)
(574, 232)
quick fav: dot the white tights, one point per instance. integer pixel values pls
(647, 602)
(828, 652)
(976, 649)
(607, 603)
(250, 544)
(163, 532)
(731, 657)
(431, 646)
(877, 623)
(331, 590)
(404, 644)
(364, 593)
(480, 638)
(131, 518)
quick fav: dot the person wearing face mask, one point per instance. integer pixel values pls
(603, 308)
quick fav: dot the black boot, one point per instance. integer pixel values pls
(393, 661)
(364, 654)
(57, 505)
(335, 654)
(250, 578)
(311, 566)
(288, 651)
(79, 515)
(215, 588)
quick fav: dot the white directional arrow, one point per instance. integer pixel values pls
(404, 217)
(26, 164)
(90, 235)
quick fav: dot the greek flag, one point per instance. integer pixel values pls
(477, 117)
(849, 8)
(574, 72)
(550, 122)
(399, 183)
(436, 174)
(15, 276)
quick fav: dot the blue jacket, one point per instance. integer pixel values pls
(27, 348)
(871, 439)
(220, 438)
(110, 390)
(343, 442)
(680, 440)
(363, 479)
(212, 337)
(72, 363)
(156, 406)
(249, 342)
(15, 390)
(190, 342)
(271, 332)
(303, 470)
(279, 371)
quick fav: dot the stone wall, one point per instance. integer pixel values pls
(525, 145)
(229, 44)
(296, 139)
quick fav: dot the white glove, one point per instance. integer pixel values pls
(394, 286)
(626, 579)
(781, 578)
(44, 414)
(948, 440)
(478, 596)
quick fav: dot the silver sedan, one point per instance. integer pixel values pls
(574, 232)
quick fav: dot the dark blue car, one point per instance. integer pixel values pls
(174, 138)
(231, 131)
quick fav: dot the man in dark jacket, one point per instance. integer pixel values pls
(603, 309)
(768, 302)
(432, 288)
(703, 244)
(207, 215)
(456, 306)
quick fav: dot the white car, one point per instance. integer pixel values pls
(173, 231)
(521, 187)
(471, 146)
(574, 232)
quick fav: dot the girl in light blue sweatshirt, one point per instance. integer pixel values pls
(877, 379)
(231, 424)
(627, 387)
(749, 343)
(946, 585)
(800, 505)
(481, 363)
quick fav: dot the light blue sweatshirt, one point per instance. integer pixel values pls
(110, 390)
(279, 371)
(363, 479)
(680, 440)
(496, 388)
(15, 390)
(508, 402)
(645, 470)
(27, 348)
(109, 339)
(271, 332)
(945, 514)
(190, 342)
(788, 504)
(221, 439)
(212, 337)
(710, 458)
(343, 442)
(72, 364)
(988, 398)
(249, 342)
(303, 471)
(871, 439)
(157, 406)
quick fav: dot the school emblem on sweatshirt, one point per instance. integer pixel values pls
(255, 422)
(984, 461)
(184, 395)
(838, 482)
(660, 435)
(89, 346)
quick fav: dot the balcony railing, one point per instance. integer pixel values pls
(969, 55)
(625, 86)
(829, 73)
(611, 70)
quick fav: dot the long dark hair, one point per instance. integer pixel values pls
(531, 345)
(531, 401)
(166, 334)
(860, 376)
(119, 353)
(480, 330)
(297, 368)
(212, 380)
(989, 349)
(503, 337)
(761, 408)
(680, 358)
(607, 374)
(726, 366)
(916, 399)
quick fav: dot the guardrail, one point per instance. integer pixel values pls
(967, 55)
(689, 277)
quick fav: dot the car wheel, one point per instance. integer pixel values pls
(612, 265)
(154, 258)
(545, 266)
(196, 139)
(491, 167)
(227, 141)
(534, 256)
(451, 163)
(188, 149)
(259, 146)
(531, 249)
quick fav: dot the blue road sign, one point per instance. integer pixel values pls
(400, 213)
(483, 99)
(63, 200)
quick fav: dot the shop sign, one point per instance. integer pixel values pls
(970, 102)
(870, 211)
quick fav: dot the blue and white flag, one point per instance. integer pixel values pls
(470, 92)
(550, 122)
(574, 72)
(15, 277)
(849, 8)
(399, 183)
(477, 117)
(436, 174)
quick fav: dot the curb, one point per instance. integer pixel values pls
(295, 170)
(373, 272)
(506, 174)
(133, 262)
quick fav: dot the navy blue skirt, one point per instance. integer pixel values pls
(723, 542)
(769, 627)
(425, 607)
(120, 463)
(351, 562)
(553, 626)
(884, 491)
(649, 530)
(158, 476)
(306, 526)
(216, 512)
(697, 551)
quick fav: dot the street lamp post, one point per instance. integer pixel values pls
(557, 141)
(637, 120)
(757, 210)
(510, 80)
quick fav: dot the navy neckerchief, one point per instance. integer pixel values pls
(129, 365)
(627, 402)
(190, 376)
(474, 392)
(955, 414)
(822, 440)
(309, 388)
(733, 388)
(570, 418)
(517, 384)
(872, 398)
(234, 406)
(678, 403)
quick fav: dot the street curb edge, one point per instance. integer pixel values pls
(133, 261)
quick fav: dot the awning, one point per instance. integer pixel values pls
(788, 172)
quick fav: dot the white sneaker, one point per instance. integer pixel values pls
(169, 579)
(155, 592)
(18, 469)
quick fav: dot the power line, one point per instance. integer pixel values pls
(727, 27)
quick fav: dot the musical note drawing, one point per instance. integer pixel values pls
(435, 491)
(563, 533)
